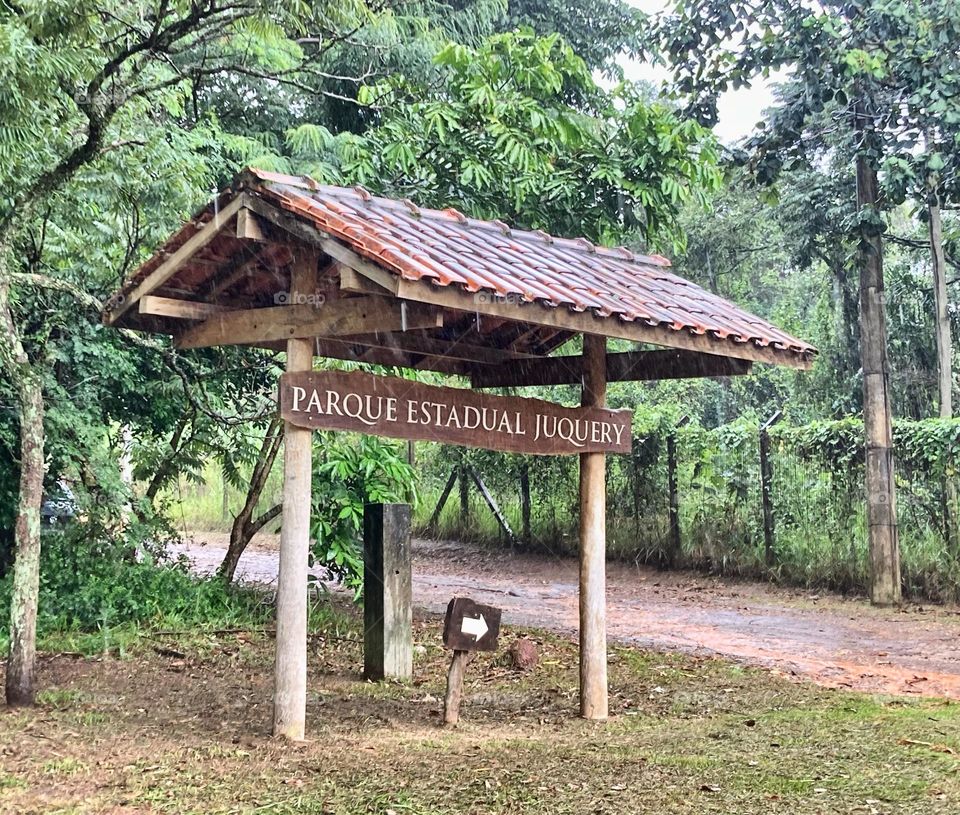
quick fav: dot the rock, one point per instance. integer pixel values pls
(523, 654)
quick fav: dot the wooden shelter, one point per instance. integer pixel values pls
(284, 263)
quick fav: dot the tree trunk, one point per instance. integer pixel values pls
(880, 490)
(944, 353)
(244, 527)
(21, 660)
(944, 344)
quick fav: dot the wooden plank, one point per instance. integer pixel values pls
(355, 315)
(593, 546)
(335, 249)
(406, 409)
(355, 283)
(249, 226)
(621, 367)
(178, 259)
(345, 349)
(448, 349)
(290, 668)
(454, 694)
(179, 309)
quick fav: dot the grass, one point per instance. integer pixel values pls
(188, 733)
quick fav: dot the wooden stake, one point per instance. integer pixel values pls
(290, 671)
(451, 704)
(673, 502)
(434, 519)
(766, 489)
(593, 628)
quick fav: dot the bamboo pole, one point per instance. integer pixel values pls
(290, 671)
(593, 631)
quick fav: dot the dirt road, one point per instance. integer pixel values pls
(833, 641)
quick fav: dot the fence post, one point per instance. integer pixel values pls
(766, 487)
(673, 553)
(464, 496)
(525, 502)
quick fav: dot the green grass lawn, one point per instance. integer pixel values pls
(180, 724)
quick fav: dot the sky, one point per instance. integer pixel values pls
(738, 110)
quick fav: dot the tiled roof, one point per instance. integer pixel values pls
(447, 248)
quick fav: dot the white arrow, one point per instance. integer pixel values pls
(471, 626)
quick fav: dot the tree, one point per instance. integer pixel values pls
(879, 70)
(518, 130)
(95, 91)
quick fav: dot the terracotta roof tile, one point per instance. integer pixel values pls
(448, 248)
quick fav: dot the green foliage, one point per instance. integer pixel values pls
(519, 130)
(820, 532)
(881, 67)
(597, 32)
(929, 448)
(92, 580)
(350, 471)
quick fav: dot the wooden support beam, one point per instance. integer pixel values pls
(179, 309)
(586, 323)
(445, 349)
(232, 276)
(355, 283)
(176, 261)
(249, 226)
(310, 234)
(290, 669)
(623, 367)
(355, 315)
(593, 546)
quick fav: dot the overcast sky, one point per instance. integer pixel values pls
(739, 110)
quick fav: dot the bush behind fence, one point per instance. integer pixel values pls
(817, 535)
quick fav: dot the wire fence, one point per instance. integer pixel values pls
(696, 498)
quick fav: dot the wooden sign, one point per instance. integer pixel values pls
(404, 409)
(470, 626)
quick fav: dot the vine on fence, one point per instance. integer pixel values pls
(815, 495)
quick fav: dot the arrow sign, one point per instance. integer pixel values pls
(475, 626)
(470, 626)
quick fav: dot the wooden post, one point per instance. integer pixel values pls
(525, 503)
(593, 500)
(290, 671)
(451, 703)
(673, 496)
(766, 488)
(881, 492)
(387, 592)
(464, 496)
(488, 500)
(435, 518)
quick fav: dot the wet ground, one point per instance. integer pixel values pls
(834, 641)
